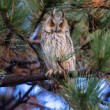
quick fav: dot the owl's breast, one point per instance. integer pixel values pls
(54, 44)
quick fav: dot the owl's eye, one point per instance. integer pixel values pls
(52, 24)
(61, 25)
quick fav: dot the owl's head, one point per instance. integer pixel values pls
(56, 22)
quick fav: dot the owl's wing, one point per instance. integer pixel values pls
(69, 64)
(69, 42)
(49, 50)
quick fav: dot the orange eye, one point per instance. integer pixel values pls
(61, 25)
(52, 24)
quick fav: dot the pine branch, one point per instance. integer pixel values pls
(11, 28)
(92, 23)
(74, 6)
(12, 80)
(40, 18)
(8, 39)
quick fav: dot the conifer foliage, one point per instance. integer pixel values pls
(89, 22)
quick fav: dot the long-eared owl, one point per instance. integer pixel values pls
(57, 43)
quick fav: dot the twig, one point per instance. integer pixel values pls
(21, 99)
(40, 18)
(8, 39)
(92, 23)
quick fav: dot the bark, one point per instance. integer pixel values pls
(12, 80)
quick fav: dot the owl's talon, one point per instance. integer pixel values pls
(58, 72)
(49, 72)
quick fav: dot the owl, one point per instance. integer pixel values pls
(57, 43)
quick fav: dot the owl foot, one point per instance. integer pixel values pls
(51, 72)
(58, 72)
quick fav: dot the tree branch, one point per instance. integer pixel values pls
(40, 18)
(74, 6)
(12, 80)
(10, 27)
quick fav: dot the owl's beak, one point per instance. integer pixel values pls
(57, 30)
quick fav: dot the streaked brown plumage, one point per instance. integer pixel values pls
(56, 42)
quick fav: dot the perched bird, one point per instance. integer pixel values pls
(57, 43)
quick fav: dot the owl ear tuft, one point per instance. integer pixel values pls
(62, 14)
(53, 12)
